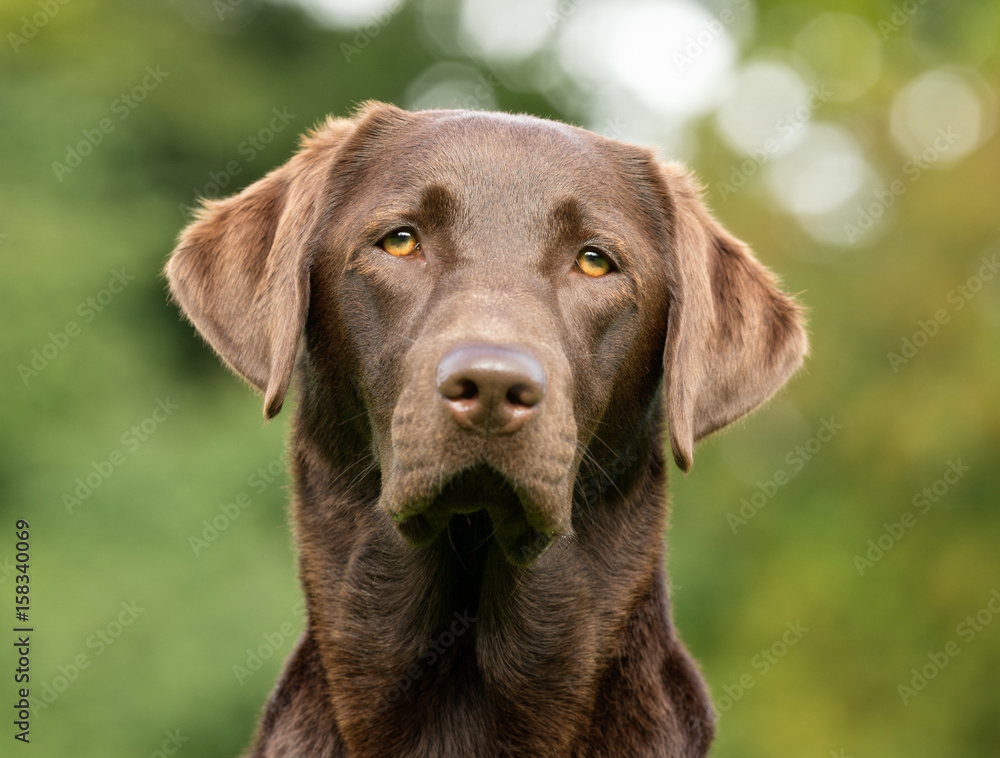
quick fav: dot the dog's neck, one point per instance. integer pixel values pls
(411, 639)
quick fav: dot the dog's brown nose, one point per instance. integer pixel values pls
(491, 388)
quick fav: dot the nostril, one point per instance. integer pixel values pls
(527, 395)
(458, 388)
(489, 387)
(468, 390)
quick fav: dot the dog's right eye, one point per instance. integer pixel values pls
(593, 262)
(400, 242)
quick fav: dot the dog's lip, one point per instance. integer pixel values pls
(419, 505)
(522, 550)
(521, 538)
(418, 529)
(536, 545)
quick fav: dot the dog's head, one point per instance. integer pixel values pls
(508, 296)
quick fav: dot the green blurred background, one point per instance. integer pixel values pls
(852, 144)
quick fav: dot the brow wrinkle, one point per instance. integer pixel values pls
(438, 208)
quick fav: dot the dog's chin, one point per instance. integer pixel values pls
(471, 491)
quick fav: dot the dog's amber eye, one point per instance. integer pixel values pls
(400, 242)
(592, 262)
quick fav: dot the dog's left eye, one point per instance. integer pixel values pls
(593, 262)
(400, 242)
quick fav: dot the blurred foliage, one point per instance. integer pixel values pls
(219, 73)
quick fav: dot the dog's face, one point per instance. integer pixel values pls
(506, 295)
(500, 285)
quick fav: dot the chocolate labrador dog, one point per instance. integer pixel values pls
(493, 321)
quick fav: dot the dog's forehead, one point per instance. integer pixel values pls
(507, 167)
(501, 141)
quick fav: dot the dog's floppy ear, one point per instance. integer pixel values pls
(240, 271)
(733, 338)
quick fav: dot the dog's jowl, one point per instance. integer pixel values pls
(494, 325)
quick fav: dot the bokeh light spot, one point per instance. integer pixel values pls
(451, 85)
(767, 109)
(672, 55)
(824, 170)
(507, 31)
(844, 51)
(938, 113)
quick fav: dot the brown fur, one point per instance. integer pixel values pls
(439, 625)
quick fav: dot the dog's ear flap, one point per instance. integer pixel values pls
(240, 271)
(733, 337)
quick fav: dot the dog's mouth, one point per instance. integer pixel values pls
(478, 490)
